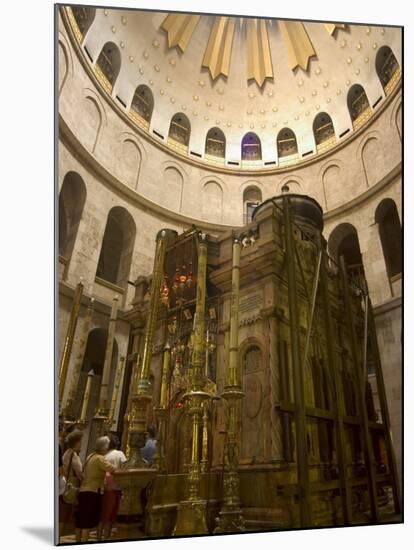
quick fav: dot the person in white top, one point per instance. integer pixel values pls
(112, 493)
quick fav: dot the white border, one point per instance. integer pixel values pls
(26, 229)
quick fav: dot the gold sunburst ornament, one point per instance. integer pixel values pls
(217, 55)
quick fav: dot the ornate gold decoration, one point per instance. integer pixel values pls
(218, 52)
(299, 46)
(217, 55)
(179, 28)
(332, 27)
(259, 60)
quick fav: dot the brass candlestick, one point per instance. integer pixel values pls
(142, 397)
(69, 412)
(86, 397)
(161, 410)
(115, 393)
(103, 408)
(70, 334)
(192, 512)
(230, 517)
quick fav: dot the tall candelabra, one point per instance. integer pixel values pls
(230, 517)
(192, 512)
(142, 396)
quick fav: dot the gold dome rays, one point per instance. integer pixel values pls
(259, 59)
(331, 27)
(180, 28)
(218, 52)
(217, 55)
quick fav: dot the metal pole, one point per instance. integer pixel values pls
(70, 334)
(384, 409)
(230, 518)
(79, 360)
(338, 396)
(300, 419)
(369, 460)
(103, 408)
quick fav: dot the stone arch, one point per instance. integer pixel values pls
(109, 63)
(212, 207)
(84, 17)
(253, 383)
(93, 120)
(64, 63)
(117, 246)
(398, 120)
(215, 145)
(72, 199)
(131, 159)
(289, 184)
(143, 102)
(286, 143)
(386, 65)
(333, 185)
(252, 197)
(171, 190)
(357, 101)
(251, 147)
(389, 228)
(344, 241)
(180, 129)
(323, 129)
(369, 158)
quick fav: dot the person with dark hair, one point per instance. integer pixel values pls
(150, 447)
(72, 467)
(112, 493)
(91, 489)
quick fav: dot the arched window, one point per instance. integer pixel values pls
(215, 143)
(323, 130)
(252, 197)
(389, 227)
(251, 147)
(343, 241)
(84, 16)
(94, 361)
(180, 130)
(117, 246)
(387, 67)
(109, 65)
(143, 103)
(286, 143)
(358, 105)
(71, 202)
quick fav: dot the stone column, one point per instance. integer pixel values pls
(374, 264)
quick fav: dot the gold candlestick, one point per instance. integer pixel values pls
(230, 518)
(86, 397)
(70, 334)
(79, 360)
(103, 409)
(192, 512)
(117, 384)
(142, 397)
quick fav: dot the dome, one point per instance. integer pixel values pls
(240, 93)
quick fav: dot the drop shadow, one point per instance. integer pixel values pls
(44, 534)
